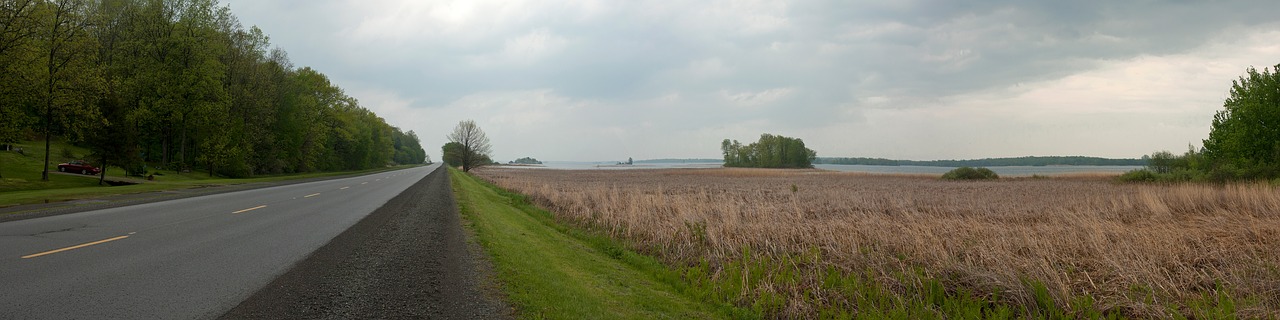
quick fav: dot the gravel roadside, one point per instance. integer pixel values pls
(409, 259)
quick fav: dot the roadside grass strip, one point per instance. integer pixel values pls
(549, 271)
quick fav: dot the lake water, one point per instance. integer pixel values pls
(1011, 171)
(571, 165)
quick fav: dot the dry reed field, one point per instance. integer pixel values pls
(1130, 249)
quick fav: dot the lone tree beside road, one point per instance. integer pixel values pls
(472, 149)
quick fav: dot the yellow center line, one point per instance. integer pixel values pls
(343, 188)
(251, 209)
(311, 195)
(73, 247)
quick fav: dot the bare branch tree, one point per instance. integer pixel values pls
(475, 145)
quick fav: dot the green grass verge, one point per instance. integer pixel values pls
(21, 183)
(550, 271)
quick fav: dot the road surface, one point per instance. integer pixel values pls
(187, 258)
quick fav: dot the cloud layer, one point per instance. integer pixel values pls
(597, 80)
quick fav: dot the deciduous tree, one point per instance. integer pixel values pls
(475, 145)
(1246, 133)
(70, 80)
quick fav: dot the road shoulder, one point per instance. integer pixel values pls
(408, 259)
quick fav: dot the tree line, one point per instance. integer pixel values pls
(1244, 138)
(771, 151)
(179, 84)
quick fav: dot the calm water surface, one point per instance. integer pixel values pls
(1011, 171)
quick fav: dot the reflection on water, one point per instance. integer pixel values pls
(1010, 171)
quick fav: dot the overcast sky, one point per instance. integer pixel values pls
(608, 80)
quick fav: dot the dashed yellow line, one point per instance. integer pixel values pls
(73, 247)
(311, 195)
(250, 209)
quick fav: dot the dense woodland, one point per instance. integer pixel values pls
(178, 84)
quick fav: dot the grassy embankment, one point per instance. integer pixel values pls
(806, 244)
(551, 271)
(21, 183)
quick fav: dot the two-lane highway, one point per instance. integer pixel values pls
(186, 258)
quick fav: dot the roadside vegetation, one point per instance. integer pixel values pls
(177, 85)
(792, 244)
(552, 271)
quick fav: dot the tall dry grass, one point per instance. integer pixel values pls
(1140, 250)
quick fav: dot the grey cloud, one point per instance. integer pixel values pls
(834, 56)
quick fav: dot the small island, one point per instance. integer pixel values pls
(772, 151)
(525, 160)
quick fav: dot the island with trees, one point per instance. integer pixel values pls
(525, 161)
(771, 151)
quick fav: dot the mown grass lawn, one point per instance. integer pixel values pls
(20, 181)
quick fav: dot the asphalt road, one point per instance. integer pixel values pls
(186, 258)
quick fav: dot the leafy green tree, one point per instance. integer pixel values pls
(408, 149)
(70, 80)
(114, 141)
(451, 154)
(17, 31)
(475, 145)
(771, 151)
(1162, 162)
(1246, 133)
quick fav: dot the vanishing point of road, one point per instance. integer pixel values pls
(201, 257)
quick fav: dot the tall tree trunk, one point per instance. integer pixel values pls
(102, 175)
(164, 145)
(466, 157)
(48, 119)
(182, 145)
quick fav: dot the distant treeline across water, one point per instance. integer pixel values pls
(989, 162)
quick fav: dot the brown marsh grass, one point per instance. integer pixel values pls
(1137, 250)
